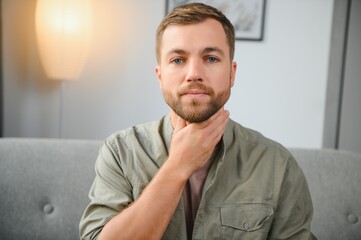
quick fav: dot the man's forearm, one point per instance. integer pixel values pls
(151, 213)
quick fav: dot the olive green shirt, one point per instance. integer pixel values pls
(254, 188)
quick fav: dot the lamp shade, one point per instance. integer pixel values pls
(63, 31)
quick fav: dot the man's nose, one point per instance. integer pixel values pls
(195, 71)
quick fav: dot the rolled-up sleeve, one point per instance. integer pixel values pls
(110, 192)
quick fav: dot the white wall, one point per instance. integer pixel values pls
(280, 85)
(281, 88)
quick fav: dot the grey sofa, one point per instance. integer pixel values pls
(44, 185)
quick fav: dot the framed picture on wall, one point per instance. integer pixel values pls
(247, 16)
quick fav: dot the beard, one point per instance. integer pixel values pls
(196, 111)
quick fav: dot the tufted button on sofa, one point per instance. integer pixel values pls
(44, 185)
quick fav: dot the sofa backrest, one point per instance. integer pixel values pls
(334, 179)
(44, 187)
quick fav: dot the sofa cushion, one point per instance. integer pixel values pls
(44, 186)
(334, 179)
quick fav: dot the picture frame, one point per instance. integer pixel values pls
(247, 16)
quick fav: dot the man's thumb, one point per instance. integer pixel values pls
(180, 124)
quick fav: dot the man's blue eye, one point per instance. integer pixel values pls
(212, 59)
(178, 61)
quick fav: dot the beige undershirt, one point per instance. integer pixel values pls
(192, 193)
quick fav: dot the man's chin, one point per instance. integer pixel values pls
(195, 117)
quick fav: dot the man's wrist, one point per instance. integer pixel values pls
(177, 171)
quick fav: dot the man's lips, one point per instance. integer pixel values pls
(194, 92)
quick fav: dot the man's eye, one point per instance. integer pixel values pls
(177, 61)
(212, 59)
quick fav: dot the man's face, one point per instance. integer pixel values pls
(195, 71)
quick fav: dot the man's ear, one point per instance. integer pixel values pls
(159, 77)
(233, 72)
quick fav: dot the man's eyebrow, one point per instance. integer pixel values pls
(213, 49)
(176, 51)
(205, 51)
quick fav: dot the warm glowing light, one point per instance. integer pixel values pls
(63, 30)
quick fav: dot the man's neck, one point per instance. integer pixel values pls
(173, 118)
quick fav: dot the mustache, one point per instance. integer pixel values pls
(196, 86)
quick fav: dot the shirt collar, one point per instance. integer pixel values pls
(167, 130)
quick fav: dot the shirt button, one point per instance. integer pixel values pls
(246, 226)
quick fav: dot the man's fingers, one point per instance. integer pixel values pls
(217, 128)
(220, 119)
(216, 118)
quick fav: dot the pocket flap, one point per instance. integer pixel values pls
(246, 217)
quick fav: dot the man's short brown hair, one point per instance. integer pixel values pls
(193, 13)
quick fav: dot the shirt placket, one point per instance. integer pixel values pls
(211, 178)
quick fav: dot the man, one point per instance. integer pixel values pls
(196, 174)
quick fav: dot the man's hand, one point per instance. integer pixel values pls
(192, 144)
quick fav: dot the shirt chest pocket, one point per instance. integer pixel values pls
(246, 221)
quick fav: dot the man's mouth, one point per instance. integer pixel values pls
(195, 89)
(194, 92)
